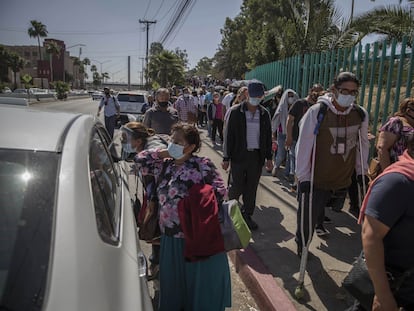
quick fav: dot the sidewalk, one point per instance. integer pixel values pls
(269, 267)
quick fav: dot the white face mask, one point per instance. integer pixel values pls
(345, 100)
(255, 101)
(291, 100)
(176, 151)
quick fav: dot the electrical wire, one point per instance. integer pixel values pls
(157, 11)
(176, 21)
(146, 11)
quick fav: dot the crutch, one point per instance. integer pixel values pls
(299, 290)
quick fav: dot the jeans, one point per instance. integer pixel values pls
(281, 154)
(292, 158)
(110, 123)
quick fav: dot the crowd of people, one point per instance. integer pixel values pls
(322, 149)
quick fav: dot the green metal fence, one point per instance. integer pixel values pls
(386, 77)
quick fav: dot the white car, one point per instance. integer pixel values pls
(68, 234)
(97, 95)
(131, 103)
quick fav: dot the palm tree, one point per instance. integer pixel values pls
(85, 63)
(166, 69)
(16, 63)
(393, 22)
(37, 30)
(104, 76)
(52, 48)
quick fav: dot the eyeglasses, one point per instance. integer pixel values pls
(348, 92)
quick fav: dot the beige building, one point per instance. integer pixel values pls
(63, 65)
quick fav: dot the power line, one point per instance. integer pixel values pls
(159, 8)
(168, 11)
(173, 18)
(176, 21)
(146, 11)
(182, 22)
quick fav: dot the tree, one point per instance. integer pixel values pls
(203, 67)
(16, 63)
(104, 76)
(156, 48)
(52, 48)
(37, 30)
(182, 54)
(85, 63)
(4, 64)
(392, 22)
(166, 69)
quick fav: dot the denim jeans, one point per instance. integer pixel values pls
(292, 158)
(281, 153)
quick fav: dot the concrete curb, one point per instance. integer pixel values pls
(260, 282)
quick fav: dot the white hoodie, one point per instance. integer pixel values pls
(306, 139)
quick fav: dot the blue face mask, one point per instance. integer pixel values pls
(255, 101)
(176, 151)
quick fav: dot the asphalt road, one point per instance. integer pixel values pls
(241, 299)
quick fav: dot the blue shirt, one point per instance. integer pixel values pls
(111, 105)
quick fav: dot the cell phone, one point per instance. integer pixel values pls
(340, 145)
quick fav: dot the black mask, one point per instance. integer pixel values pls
(163, 104)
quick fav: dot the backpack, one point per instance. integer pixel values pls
(322, 112)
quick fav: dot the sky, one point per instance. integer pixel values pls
(110, 29)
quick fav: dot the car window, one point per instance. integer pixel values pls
(106, 189)
(28, 181)
(131, 98)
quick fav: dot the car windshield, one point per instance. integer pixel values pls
(27, 199)
(131, 98)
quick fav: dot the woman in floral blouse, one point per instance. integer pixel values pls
(392, 140)
(200, 285)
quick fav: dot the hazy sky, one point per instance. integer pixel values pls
(111, 31)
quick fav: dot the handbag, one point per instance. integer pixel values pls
(148, 217)
(374, 169)
(358, 282)
(236, 233)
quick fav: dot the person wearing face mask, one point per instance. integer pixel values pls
(111, 111)
(186, 107)
(295, 114)
(247, 144)
(279, 121)
(340, 139)
(162, 116)
(186, 285)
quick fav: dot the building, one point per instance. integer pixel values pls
(63, 65)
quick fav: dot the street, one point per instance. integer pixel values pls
(273, 242)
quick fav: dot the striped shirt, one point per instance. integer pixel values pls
(253, 129)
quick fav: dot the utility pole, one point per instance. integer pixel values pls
(147, 23)
(142, 70)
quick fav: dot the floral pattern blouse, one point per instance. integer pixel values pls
(176, 182)
(395, 125)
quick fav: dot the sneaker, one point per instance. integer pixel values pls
(321, 231)
(327, 220)
(274, 172)
(250, 222)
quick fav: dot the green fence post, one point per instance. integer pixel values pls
(326, 72)
(410, 73)
(364, 75)
(344, 61)
(352, 60)
(379, 90)
(399, 74)
(305, 72)
(332, 67)
(316, 69)
(372, 77)
(358, 63)
(389, 81)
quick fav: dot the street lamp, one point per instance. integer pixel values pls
(101, 63)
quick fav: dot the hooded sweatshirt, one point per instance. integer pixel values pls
(281, 113)
(333, 170)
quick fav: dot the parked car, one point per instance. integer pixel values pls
(6, 89)
(131, 103)
(97, 95)
(69, 238)
(20, 91)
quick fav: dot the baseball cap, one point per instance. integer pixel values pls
(256, 88)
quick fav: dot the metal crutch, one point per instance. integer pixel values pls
(299, 290)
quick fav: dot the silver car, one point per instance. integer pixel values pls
(131, 103)
(68, 238)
